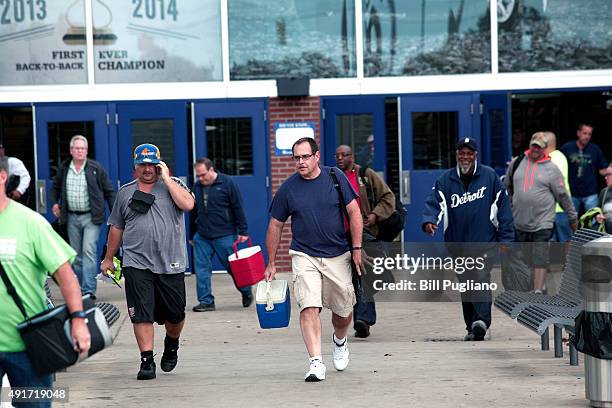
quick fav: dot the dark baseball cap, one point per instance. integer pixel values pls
(467, 142)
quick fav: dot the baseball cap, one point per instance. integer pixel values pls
(467, 142)
(538, 141)
(146, 153)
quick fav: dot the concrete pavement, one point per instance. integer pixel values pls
(414, 358)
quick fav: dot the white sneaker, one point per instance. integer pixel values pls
(340, 355)
(316, 372)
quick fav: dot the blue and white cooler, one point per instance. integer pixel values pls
(273, 304)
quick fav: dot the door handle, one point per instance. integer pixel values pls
(406, 196)
(41, 187)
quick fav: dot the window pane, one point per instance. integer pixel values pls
(291, 38)
(536, 35)
(230, 145)
(354, 131)
(60, 134)
(426, 37)
(497, 138)
(157, 41)
(159, 132)
(42, 42)
(434, 137)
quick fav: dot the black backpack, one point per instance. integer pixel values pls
(392, 226)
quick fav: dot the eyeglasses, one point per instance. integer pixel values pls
(343, 155)
(303, 157)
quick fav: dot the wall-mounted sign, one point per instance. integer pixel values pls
(157, 41)
(285, 134)
(39, 42)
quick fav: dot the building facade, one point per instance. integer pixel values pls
(199, 77)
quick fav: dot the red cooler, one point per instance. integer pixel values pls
(247, 265)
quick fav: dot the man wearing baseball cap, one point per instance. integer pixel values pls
(148, 218)
(536, 185)
(473, 206)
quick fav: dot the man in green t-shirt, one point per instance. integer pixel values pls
(29, 250)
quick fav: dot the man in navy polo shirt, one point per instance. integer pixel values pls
(320, 254)
(585, 160)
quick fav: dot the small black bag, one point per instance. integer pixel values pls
(47, 335)
(392, 226)
(141, 202)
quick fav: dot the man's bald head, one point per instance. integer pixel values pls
(344, 157)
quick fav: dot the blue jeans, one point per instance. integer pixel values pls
(562, 231)
(203, 252)
(20, 373)
(83, 236)
(584, 204)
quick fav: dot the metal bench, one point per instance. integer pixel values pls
(513, 302)
(111, 312)
(539, 312)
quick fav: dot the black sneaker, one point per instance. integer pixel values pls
(469, 337)
(362, 329)
(147, 369)
(204, 307)
(169, 360)
(479, 328)
(247, 299)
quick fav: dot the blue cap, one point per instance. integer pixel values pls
(467, 142)
(146, 153)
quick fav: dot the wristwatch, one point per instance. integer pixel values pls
(355, 248)
(79, 314)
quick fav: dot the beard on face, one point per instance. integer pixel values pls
(465, 168)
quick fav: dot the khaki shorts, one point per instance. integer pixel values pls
(323, 282)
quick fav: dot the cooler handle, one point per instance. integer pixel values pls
(269, 303)
(236, 242)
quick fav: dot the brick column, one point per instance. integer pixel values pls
(289, 110)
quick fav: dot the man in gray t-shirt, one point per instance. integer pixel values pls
(148, 217)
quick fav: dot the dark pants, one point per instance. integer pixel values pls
(365, 308)
(477, 304)
(20, 373)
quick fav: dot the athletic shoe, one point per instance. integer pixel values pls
(469, 337)
(362, 329)
(479, 328)
(147, 369)
(340, 354)
(316, 372)
(169, 359)
(204, 307)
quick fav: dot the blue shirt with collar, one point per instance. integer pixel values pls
(218, 211)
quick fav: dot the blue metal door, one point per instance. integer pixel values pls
(352, 121)
(233, 135)
(430, 127)
(163, 124)
(496, 130)
(55, 126)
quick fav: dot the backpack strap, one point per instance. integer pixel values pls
(515, 165)
(343, 212)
